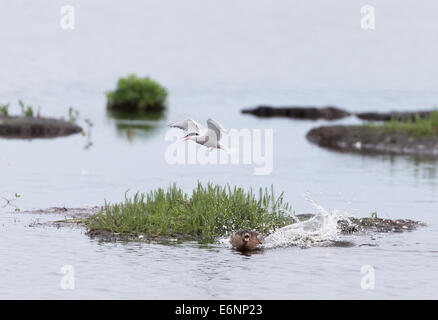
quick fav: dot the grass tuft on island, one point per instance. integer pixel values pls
(208, 213)
(417, 127)
(135, 94)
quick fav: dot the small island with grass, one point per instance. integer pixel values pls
(414, 135)
(135, 94)
(31, 124)
(208, 213)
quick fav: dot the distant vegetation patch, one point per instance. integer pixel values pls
(4, 110)
(135, 94)
(417, 127)
(26, 111)
(209, 212)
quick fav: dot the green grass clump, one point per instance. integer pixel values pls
(26, 111)
(4, 110)
(137, 94)
(208, 213)
(416, 127)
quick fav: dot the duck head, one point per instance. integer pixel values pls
(245, 240)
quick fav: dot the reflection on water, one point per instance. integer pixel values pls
(133, 126)
(424, 168)
(249, 253)
(421, 168)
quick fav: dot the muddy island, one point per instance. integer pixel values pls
(371, 140)
(78, 217)
(333, 113)
(397, 115)
(21, 127)
(299, 112)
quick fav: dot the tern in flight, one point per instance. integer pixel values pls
(209, 137)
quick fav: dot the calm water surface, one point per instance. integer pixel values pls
(216, 58)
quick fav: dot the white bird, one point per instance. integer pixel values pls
(209, 137)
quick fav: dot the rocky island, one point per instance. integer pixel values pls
(415, 135)
(299, 112)
(19, 127)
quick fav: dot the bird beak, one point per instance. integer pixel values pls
(186, 138)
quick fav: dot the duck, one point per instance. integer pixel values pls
(245, 240)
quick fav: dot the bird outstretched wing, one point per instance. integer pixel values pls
(187, 124)
(216, 127)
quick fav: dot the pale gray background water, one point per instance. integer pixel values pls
(215, 58)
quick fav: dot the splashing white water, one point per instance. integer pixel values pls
(319, 229)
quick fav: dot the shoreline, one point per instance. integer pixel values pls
(75, 217)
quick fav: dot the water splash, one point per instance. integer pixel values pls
(321, 229)
(318, 230)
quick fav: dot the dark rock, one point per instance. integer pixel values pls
(350, 225)
(29, 128)
(376, 116)
(372, 140)
(312, 113)
(353, 225)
